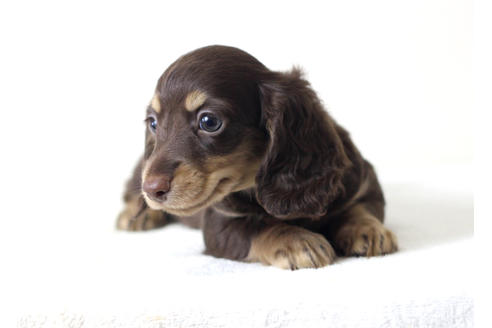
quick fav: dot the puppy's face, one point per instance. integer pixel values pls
(204, 138)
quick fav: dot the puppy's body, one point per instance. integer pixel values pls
(251, 157)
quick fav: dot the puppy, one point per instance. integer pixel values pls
(251, 157)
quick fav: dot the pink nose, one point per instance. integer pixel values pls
(156, 187)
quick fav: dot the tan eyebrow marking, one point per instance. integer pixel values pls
(155, 103)
(194, 99)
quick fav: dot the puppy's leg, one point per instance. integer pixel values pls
(291, 247)
(271, 243)
(361, 233)
(136, 215)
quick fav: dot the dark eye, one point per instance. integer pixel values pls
(152, 123)
(210, 123)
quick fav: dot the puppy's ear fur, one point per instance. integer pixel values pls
(305, 160)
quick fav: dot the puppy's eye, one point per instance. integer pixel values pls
(152, 122)
(210, 123)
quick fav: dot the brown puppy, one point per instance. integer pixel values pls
(250, 156)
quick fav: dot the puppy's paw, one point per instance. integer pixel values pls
(136, 216)
(365, 236)
(291, 247)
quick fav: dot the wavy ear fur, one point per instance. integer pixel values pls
(302, 171)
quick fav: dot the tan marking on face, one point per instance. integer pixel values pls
(155, 103)
(195, 188)
(290, 247)
(194, 100)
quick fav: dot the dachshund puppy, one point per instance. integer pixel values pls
(251, 157)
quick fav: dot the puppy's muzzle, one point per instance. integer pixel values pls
(156, 187)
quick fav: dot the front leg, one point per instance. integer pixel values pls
(361, 233)
(137, 216)
(265, 240)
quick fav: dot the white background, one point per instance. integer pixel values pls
(75, 78)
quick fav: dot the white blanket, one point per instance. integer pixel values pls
(161, 279)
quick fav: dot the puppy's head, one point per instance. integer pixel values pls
(221, 122)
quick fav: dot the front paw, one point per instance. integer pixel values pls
(291, 247)
(365, 236)
(137, 216)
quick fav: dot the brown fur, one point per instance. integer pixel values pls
(280, 182)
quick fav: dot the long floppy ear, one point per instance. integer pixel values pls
(302, 171)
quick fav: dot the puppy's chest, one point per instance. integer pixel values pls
(241, 203)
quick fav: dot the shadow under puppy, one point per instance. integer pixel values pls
(250, 156)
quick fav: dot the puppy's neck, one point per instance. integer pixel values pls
(240, 203)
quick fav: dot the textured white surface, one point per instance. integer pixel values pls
(161, 279)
